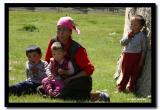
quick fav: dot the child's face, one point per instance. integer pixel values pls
(63, 33)
(34, 57)
(58, 55)
(135, 25)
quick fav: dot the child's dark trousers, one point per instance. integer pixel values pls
(25, 87)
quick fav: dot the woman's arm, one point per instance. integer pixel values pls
(48, 52)
(84, 63)
(78, 75)
(82, 60)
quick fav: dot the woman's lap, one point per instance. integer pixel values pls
(79, 88)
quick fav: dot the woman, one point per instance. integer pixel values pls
(79, 85)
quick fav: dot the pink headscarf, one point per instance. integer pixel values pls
(68, 22)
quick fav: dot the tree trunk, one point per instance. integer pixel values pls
(143, 86)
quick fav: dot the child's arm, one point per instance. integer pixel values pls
(27, 70)
(144, 48)
(141, 62)
(48, 69)
(125, 40)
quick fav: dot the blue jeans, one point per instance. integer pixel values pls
(25, 87)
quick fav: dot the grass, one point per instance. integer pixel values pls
(100, 35)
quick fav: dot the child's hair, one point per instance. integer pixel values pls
(33, 48)
(57, 46)
(140, 18)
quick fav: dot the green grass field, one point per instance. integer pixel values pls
(100, 35)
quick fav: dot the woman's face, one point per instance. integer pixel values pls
(63, 33)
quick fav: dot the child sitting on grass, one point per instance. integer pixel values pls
(36, 70)
(60, 68)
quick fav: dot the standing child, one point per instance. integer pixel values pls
(60, 68)
(36, 70)
(133, 54)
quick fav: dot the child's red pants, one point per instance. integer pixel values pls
(130, 71)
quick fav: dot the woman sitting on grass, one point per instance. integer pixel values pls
(79, 85)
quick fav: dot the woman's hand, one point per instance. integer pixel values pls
(66, 81)
(80, 74)
(61, 71)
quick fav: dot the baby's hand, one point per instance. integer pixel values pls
(50, 77)
(61, 71)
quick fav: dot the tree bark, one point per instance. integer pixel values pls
(143, 86)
